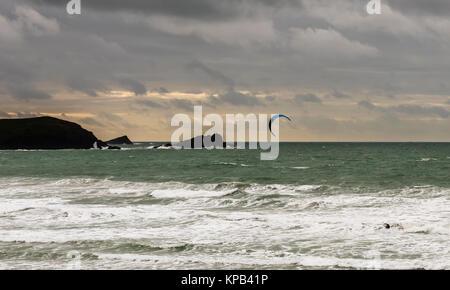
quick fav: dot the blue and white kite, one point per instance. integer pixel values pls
(274, 118)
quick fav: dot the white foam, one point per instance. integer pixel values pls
(426, 159)
(227, 163)
(307, 227)
(185, 193)
(165, 147)
(281, 189)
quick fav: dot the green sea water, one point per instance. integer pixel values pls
(362, 165)
(319, 205)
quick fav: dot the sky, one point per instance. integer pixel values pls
(126, 67)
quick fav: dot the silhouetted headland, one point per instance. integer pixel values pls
(46, 133)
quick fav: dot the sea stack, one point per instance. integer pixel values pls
(202, 141)
(46, 133)
(120, 141)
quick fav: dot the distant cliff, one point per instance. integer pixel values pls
(46, 133)
(120, 140)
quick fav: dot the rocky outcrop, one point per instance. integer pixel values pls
(99, 144)
(120, 141)
(214, 140)
(46, 133)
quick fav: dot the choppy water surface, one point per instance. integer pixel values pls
(320, 205)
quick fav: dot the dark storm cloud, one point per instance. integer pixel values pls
(149, 103)
(134, 86)
(96, 47)
(306, 98)
(212, 73)
(209, 10)
(244, 48)
(408, 109)
(339, 95)
(13, 71)
(368, 105)
(230, 95)
(421, 110)
(162, 91)
(433, 7)
(24, 93)
(182, 104)
(88, 86)
(204, 9)
(238, 99)
(167, 103)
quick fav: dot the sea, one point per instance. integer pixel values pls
(318, 206)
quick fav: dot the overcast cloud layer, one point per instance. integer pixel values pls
(125, 67)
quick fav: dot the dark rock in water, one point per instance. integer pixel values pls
(162, 145)
(120, 141)
(103, 145)
(392, 226)
(46, 133)
(202, 141)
